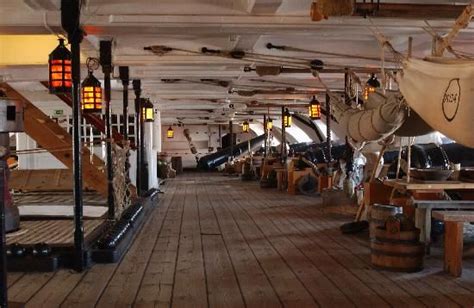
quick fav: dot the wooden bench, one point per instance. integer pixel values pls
(423, 209)
(453, 238)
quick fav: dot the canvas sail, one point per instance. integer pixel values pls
(382, 116)
(441, 91)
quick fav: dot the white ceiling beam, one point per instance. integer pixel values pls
(33, 23)
(264, 7)
(246, 42)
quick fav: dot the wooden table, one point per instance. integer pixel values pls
(428, 185)
(453, 238)
(423, 208)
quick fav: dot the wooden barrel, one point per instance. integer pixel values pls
(378, 215)
(177, 164)
(400, 252)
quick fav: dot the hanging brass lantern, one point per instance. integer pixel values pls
(147, 111)
(170, 133)
(91, 94)
(371, 85)
(315, 109)
(60, 76)
(269, 124)
(245, 127)
(287, 119)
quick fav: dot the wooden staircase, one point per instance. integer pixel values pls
(52, 137)
(92, 119)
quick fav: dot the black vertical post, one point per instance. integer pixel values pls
(144, 167)
(124, 76)
(328, 127)
(138, 91)
(70, 21)
(106, 63)
(265, 131)
(231, 133)
(346, 86)
(77, 168)
(220, 136)
(283, 135)
(3, 244)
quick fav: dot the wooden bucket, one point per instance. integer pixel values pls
(399, 251)
(378, 215)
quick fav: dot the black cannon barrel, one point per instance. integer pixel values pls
(220, 157)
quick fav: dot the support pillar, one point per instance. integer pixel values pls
(150, 155)
(231, 133)
(3, 244)
(328, 128)
(283, 135)
(124, 76)
(106, 63)
(265, 144)
(138, 91)
(220, 136)
(70, 21)
(143, 166)
(157, 146)
(157, 132)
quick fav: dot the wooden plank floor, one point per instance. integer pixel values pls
(53, 232)
(215, 241)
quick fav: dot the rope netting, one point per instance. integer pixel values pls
(121, 181)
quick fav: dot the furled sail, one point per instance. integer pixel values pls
(382, 116)
(441, 91)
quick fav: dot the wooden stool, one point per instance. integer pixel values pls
(453, 238)
(281, 178)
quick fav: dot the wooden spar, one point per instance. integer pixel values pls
(408, 10)
(50, 135)
(462, 22)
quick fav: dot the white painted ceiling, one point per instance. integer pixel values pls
(218, 24)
